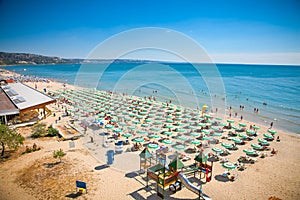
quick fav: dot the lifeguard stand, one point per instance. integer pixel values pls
(145, 159)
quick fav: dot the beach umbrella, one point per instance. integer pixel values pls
(207, 116)
(139, 117)
(257, 146)
(154, 136)
(205, 131)
(273, 132)
(157, 123)
(127, 135)
(109, 126)
(230, 120)
(243, 136)
(195, 134)
(155, 129)
(168, 126)
(201, 124)
(178, 124)
(217, 150)
(145, 125)
(242, 125)
(196, 142)
(250, 132)
(179, 130)
(217, 134)
(117, 130)
(266, 135)
(169, 121)
(222, 124)
(263, 141)
(235, 127)
(148, 120)
(236, 140)
(153, 146)
(182, 138)
(169, 116)
(206, 138)
(139, 140)
(214, 128)
(136, 122)
(229, 166)
(131, 127)
(179, 147)
(256, 127)
(141, 132)
(122, 124)
(218, 118)
(178, 118)
(168, 133)
(249, 151)
(227, 145)
(165, 141)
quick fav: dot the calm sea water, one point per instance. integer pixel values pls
(189, 85)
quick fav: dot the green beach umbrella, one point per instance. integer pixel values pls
(206, 138)
(250, 132)
(230, 120)
(236, 140)
(243, 136)
(154, 136)
(196, 142)
(157, 123)
(168, 133)
(141, 132)
(169, 126)
(155, 129)
(148, 120)
(153, 146)
(218, 118)
(179, 147)
(145, 125)
(217, 134)
(201, 124)
(227, 145)
(122, 124)
(217, 150)
(205, 131)
(131, 127)
(249, 151)
(127, 135)
(222, 124)
(117, 130)
(169, 116)
(229, 166)
(109, 126)
(273, 132)
(242, 125)
(167, 141)
(179, 130)
(214, 128)
(195, 134)
(207, 116)
(256, 127)
(257, 146)
(139, 140)
(263, 141)
(169, 121)
(266, 135)
(182, 138)
(136, 122)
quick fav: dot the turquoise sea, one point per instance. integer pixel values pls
(273, 89)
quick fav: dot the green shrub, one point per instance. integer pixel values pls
(52, 132)
(38, 130)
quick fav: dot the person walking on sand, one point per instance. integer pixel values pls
(271, 125)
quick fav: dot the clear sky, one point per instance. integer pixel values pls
(241, 31)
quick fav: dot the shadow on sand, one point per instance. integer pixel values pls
(73, 195)
(101, 167)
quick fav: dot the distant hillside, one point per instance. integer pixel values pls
(26, 58)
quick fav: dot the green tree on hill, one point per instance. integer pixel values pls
(59, 154)
(9, 138)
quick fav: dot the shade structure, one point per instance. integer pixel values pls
(206, 138)
(229, 166)
(167, 141)
(182, 138)
(236, 140)
(266, 135)
(205, 131)
(131, 127)
(169, 121)
(169, 126)
(168, 133)
(153, 146)
(141, 132)
(157, 123)
(250, 132)
(201, 124)
(218, 118)
(117, 130)
(257, 146)
(148, 120)
(176, 164)
(139, 140)
(154, 136)
(179, 130)
(242, 125)
(263, 142)
(217, 150)
(249, 151)
(227, 145)
(196, 142)
(214, 128)
(155, 129)
(230, 120)
(145, 125)
(109, 126)
(195, 134)
(122, 124)
(222, 124)
(256, 127)
(179, 147)
(273, 132)
(217, 134)
(243, 136)
(127, 135)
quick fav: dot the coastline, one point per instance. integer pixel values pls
(257, 182)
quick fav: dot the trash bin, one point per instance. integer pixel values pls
(110, 157)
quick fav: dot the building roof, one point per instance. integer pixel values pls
(25, 97)
(6, 106)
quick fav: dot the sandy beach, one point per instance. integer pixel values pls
(36, 176)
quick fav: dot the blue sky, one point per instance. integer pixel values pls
(253, 31)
